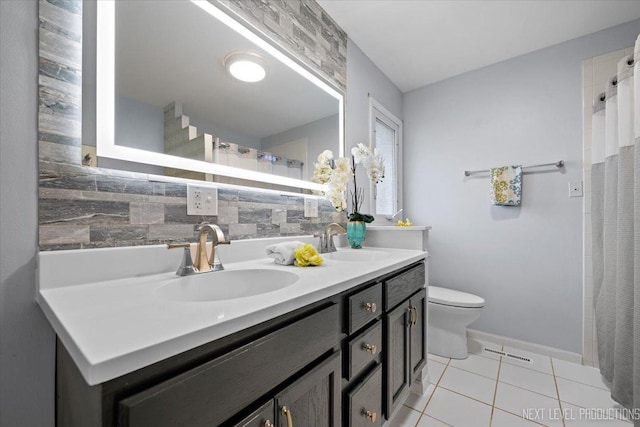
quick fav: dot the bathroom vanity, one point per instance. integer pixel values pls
(340, 347)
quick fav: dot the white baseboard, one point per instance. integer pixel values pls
(524, 345)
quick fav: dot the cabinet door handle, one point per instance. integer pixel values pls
(415, 315)
(370, 306)
(268, 424)
(371, 416)
(371, 348)
(287, 412)
(410, 321)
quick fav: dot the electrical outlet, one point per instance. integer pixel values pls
(202, 200)
(575, 188)
(310, 207)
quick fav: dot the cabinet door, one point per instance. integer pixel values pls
(397, 356)
(314, 399)
(418, 341)
(262, 417)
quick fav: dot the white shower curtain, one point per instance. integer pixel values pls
(615, 213)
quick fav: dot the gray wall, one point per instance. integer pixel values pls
(526, 262)
(27, 341)
(365, 79)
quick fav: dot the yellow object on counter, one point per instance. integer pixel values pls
(405, 223)
(307, 255)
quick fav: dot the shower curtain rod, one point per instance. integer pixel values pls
(558, 164)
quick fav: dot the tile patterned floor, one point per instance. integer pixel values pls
(487, 390)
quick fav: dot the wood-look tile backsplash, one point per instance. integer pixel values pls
(84, 207)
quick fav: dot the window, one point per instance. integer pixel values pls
(386, 136)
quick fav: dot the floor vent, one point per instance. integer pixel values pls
(503, 354)
(494, 351)
(520, 358)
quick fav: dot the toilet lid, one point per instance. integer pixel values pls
(454, 298)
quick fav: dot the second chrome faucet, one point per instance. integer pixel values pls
(326, 238)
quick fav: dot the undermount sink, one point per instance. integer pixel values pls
(355, 255)
(225, 285)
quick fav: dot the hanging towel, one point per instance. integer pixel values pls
(282, 253)
(506, 185)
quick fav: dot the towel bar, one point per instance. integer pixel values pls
(558, 164)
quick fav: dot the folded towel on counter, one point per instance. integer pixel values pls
(282, 253)
(506, 185)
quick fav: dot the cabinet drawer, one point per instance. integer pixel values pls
(364, 348)
(364, 306)
(211, 393)
(365, 401)
(402, 286)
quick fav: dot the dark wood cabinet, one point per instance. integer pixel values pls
(347, 360)
(397, 356)
(314, 399)
(405, 334)
(418, 333)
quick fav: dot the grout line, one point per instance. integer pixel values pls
(495, 393)
(526, 389)
(520, 416)
(555, 382)
(464, 395)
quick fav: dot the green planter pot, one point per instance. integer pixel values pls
(356, 233)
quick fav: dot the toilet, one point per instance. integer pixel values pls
(450, 312)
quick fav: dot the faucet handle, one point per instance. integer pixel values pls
(186, 266)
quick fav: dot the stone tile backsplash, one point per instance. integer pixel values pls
(85, 207)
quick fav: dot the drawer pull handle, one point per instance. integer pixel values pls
(287, 412)
(268, 424)
(371, 416)
(370, 306)
(371, 348)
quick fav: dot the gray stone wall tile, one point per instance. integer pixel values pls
(63, 234)
(279, 216)
(227, 214)
(59, 125)
(268, 230)
(109, 184)
(82, 212)
(183, 232)
(248, 216)
(59, 152)
(242, 231)
(290, 229)
(146, 213)
(168, 200)
(114, 234)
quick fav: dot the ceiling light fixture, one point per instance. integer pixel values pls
(245, 65)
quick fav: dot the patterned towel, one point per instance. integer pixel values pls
(506, 185)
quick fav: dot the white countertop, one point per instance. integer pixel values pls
(115, 326)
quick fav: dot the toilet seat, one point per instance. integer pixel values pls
(453, 298)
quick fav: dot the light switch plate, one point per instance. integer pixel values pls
(310, 207)
(202, 200)
(575, 188)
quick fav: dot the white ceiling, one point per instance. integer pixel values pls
(416, 43)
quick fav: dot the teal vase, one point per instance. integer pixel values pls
(356, 233)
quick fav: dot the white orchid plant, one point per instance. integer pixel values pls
(337, 174)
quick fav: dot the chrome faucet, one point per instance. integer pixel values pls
(203, 262)
(326, 238)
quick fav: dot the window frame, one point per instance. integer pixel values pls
(378, 112)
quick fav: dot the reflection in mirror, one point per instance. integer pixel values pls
(177, 106)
